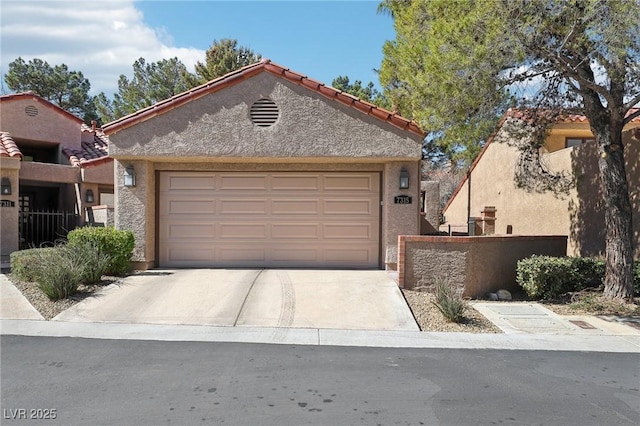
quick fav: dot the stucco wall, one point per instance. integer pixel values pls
(48, 125)
(430, 220)
(475, 265)
(135, 210)
(310, 126)
(100, 174)
(9, 238)
(45, 172)
(578, 215)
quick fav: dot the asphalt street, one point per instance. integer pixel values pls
(118, 382)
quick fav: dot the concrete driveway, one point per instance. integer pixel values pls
(341, 299)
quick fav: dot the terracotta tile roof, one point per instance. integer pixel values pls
(249, 71)
(90, 153)
(8, 147)
(41, 101)
(521, 114)
(562, 118)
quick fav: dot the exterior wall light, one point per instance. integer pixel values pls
(404, 178)
(129, 177)
(5, 185)
(88, 197)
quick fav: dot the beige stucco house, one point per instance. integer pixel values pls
(498, 207)
(54, 169)
(265, 167)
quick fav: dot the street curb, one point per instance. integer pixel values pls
(321, 337)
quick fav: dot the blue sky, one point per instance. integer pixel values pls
(322, 39)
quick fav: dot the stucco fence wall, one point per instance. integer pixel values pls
(475, 265)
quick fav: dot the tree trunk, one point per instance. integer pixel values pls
(617, 213)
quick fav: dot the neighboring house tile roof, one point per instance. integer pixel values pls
(244, 73)
(40, 100)
(521, 114)
(90, 153)
(8, 147)
(562, 118)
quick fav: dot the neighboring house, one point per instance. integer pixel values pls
(265, 167)
(497, 206)
(54, 170)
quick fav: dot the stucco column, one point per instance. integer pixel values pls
(9, 230)
(399, 219)
(136, 209)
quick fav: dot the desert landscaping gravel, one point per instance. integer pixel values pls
(429, 318)
(49, 308)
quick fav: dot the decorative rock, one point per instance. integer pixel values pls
(492, 296)
(503, 295)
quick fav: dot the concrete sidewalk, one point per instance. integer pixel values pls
(13, 305)
(533, 318)
(332, 337)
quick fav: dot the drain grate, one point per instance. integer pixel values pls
(582, 324)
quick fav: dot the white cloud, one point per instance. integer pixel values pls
(101, 39)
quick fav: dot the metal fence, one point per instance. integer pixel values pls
(39, 228)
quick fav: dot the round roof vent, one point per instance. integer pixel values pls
(31, 110)
(264, 112)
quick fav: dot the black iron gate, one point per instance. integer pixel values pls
(39, 228)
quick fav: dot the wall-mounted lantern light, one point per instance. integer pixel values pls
(129, 176)
(404, 178)
(88, 196)
(5, 185)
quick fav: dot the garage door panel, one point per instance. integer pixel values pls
(191, 231)
(295, 182)
(349, 182)
(295, 231)
(284, 219)
(349, 207)
(346, 255)
(295, 255)
(357, 231)
(243, 182)
(191, 206)
(243, 254)
(243, 206)
(299, 206)
(232, 231)
(191, 183)
(190, 253)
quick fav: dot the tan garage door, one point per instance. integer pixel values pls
(272, 219)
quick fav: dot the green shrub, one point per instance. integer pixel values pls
(24, 263)
(116, 244)
(545, 277)
(58, 272)
(588, 272)
(550, 277)
(95, 263)
(449, 302)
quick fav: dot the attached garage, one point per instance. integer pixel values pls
(271, 219)
(265, 167)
